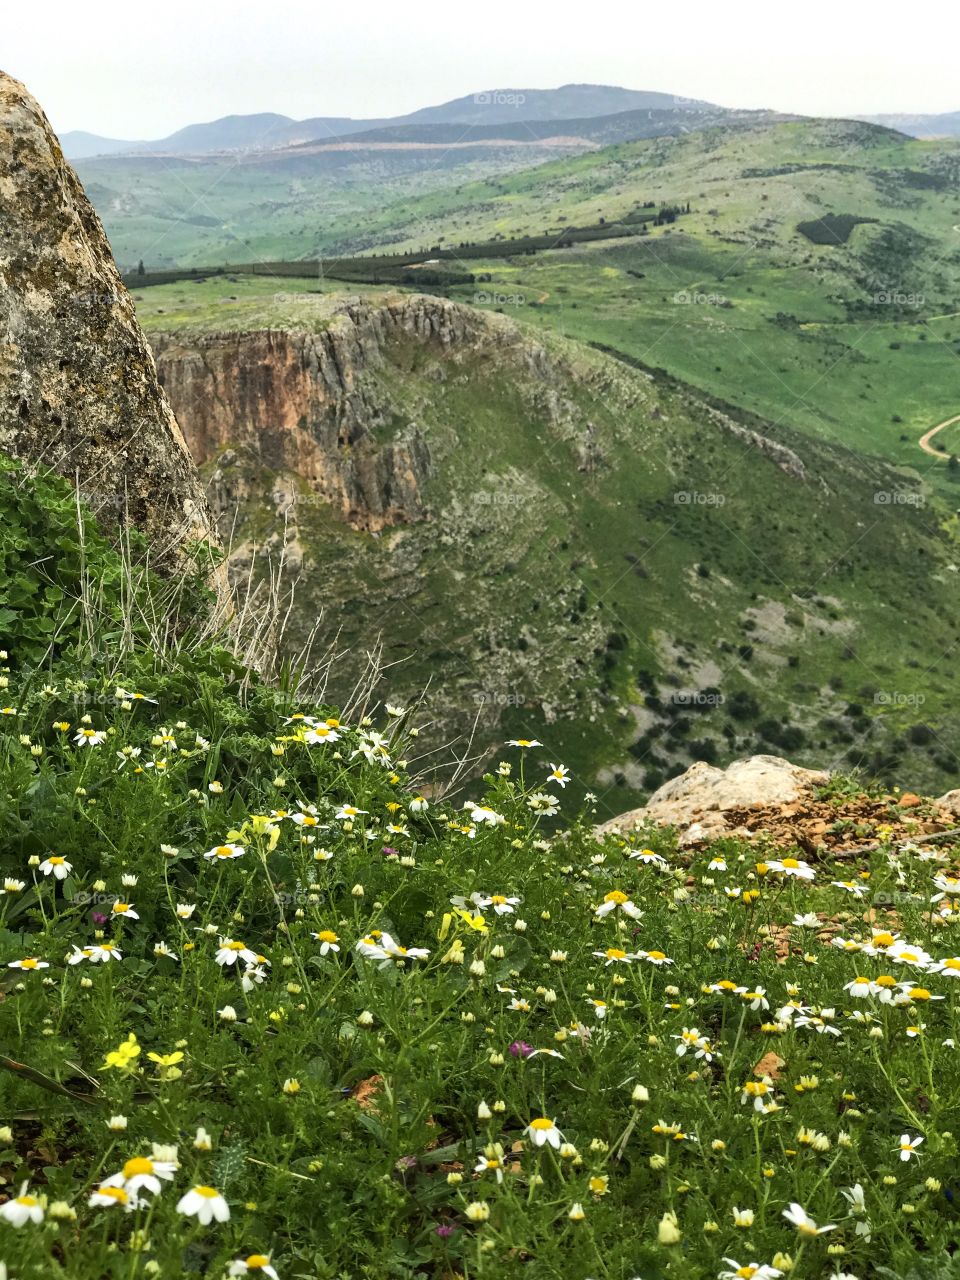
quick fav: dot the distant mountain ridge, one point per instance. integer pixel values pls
(920, 125)
(622, 126)
(494, 106)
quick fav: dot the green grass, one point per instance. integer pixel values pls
(594, 1057)
(241, 303)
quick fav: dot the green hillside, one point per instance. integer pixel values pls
(753, 297)
(607, 558)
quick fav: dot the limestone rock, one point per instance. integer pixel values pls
(950, 802)
(78, 386)
(312, 402)
(700, 800)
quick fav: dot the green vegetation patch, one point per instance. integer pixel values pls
(832, 228)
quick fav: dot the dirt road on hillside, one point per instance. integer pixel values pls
(924, 441)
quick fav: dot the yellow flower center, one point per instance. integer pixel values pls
(656, 955)
(29, 1201)
(541, 1124)
(234, 946)
(257, 1261)
(114, 1193)
(616, 895)
(138, 1165)
(28, 964)
(327, 935)
(792, 863)
(208, 1193)
(951, 964)
(56, 861)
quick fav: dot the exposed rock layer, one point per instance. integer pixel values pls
(311, 403)
(78, 386)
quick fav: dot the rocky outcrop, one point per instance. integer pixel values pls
(700, 801)
(789, 462)
(315, 403)
(78, 386)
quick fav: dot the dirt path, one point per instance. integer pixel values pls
(925, 439)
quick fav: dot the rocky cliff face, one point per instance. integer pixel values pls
(78, 386)
(317, 404)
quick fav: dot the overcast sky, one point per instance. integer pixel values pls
(133, 71)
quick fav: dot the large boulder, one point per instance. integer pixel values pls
(78, 386)
(704, 802)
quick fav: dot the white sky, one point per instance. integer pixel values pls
(137, 71)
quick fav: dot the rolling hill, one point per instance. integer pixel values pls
(329, 194)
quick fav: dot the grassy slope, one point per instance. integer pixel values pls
(541, 590)
(842, 362)
(177, 211)
(870, 375)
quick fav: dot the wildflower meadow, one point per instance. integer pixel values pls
(280, 996)
(272, 1006)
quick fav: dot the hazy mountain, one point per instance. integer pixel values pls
(569, 101)
(508, 106)
(77, 144)
(946, 125)
(231, 133)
